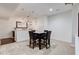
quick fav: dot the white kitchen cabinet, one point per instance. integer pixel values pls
(21, 35)
(77, 45)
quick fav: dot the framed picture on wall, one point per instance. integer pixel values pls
(20, 24)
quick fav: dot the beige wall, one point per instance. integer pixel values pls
(6, 26)
(61, 26)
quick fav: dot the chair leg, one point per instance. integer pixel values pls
(46, 45)
(33, 44)
(49, 42)
(30, 43)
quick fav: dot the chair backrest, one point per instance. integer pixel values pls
(33, 30)
(31, 34)
(35, 36)
(43, 35)
(48, 34)
(45, 30)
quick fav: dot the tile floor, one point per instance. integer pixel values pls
(22, 48)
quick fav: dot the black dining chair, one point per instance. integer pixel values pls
(40, 37)
(46, 39)
(31, 37)
(35, 39)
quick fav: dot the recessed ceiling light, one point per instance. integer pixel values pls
(50, 9)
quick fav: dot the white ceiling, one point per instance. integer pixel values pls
(9, 6)
(42, 9)
(37, 9)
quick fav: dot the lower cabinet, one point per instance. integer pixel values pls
(21, 35)
(77, 45)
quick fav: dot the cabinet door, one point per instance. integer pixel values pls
(21, 35)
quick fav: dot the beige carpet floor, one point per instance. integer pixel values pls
(22, 48)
